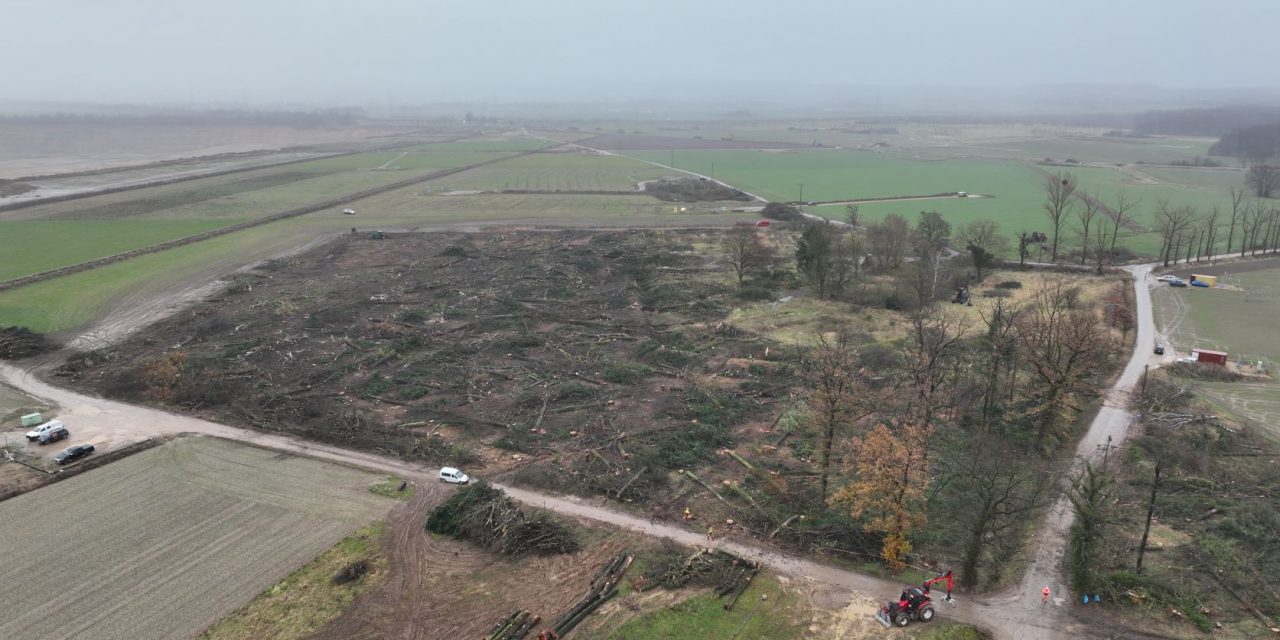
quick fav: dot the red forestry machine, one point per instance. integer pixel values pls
(913, 604)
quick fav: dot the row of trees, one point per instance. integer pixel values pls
(1187, 233)
(1184, 231)
(1096, 224)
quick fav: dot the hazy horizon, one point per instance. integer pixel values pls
(404, 52)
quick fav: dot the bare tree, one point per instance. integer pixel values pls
(1059, 188)
(1255, 215)
(837, 393)
(1120, 213)
(1027, 239)
(1237, 207)
(995, 493)
(1172, 224)
(1263, 179)
(744, 251)
(984, 242)
(888, 240)
(816, 256)
(999, 354)
(1211, 227)
(1102, 229)
(1064, 346)
(851, 215)
(1085, 216)
(938, 336)
(849, 249)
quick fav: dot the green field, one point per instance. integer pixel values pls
(1015, 185)
(32, 246)
(1235, 319)
(833, 174)
(557, 172)
(1228, 317)
(58, 234)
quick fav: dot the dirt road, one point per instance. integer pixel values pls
(1109, 427)
(106, 422)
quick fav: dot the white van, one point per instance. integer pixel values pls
(453, 476)
(51, 425)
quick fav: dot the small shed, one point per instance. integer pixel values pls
(1210, 356)
(1209, 280)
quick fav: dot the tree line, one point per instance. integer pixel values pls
(948, 423)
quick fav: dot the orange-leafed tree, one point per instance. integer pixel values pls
(891, 474)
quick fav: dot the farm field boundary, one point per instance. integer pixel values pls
(283, 215)
(166, 542)
(13, 206)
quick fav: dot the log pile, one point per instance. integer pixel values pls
(486, 516)
(515, 626)
(603, 586)
(728, 574)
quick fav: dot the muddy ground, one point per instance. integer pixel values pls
(438, 587)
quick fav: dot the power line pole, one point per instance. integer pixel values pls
(802, 196)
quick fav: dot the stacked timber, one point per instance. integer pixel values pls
(515, 626)
(603, 586)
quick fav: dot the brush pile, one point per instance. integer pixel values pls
(728, 574)
(20, 342)
(486, 516)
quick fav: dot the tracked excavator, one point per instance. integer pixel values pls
(915, 603)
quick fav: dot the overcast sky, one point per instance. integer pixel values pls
(375, 51)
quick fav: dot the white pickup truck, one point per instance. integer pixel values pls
(47, 427)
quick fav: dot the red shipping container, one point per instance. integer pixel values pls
(1212, 357)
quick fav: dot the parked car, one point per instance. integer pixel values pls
(453, 476)
(35, 433)
(1200, 283)
(1159, 349)
(54, 435)
(1168, 278)
(71, 454)
(1179, 282)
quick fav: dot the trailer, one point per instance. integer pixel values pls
(1210, 356)
(1211, 281)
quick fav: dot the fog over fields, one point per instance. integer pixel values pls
(335, 51)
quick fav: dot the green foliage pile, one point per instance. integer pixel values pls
(485, 515)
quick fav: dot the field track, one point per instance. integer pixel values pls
(166, 542)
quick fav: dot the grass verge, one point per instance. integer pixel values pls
(391, 488)
(779, 615)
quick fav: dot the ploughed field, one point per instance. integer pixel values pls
(166, 542)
